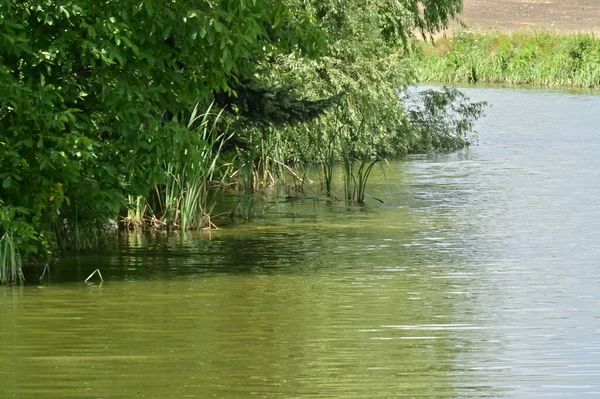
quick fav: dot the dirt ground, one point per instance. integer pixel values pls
(564, 16)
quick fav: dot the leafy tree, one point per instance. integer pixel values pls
(95, 94)
(367, 63)
(85, 85)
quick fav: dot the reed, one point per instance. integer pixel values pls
(270, 164)
(356, 176)
(184, 201)
(264, 166)
(136, 209)
(329, 159)
(542, 59)
(77, 231)
(10, 261)
(87, 236)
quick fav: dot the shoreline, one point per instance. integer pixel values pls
(541, 59)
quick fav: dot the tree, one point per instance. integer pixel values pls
(94, 94)
(85, 86)
(368, 65)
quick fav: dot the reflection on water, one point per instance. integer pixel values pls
(478, 277)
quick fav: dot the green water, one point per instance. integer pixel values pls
(229, 336)
(477, 277)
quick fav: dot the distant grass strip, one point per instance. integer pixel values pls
(542, 59)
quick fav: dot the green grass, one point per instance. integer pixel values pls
(136, 209)
(186, 197)
(10, 261)
(542, 59)
(356, 176)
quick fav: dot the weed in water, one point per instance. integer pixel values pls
(356, 176)
(184, 199)
(10, 261)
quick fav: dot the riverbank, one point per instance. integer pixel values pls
(513, 58)
(548, 43)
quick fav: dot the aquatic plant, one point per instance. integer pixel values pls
(356, 176)
(136, 210)
(329, 156)
(10, 260)
(191, 166)
(328, 165)
(83, 131)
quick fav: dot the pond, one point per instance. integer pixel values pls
(479, 276)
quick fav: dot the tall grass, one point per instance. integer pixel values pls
(10, 260)
(329, 157)
(543, 59)
(77, 231)
(356, 176)
(136, 209)
(270, 161)
(265, 167)
(185, 199)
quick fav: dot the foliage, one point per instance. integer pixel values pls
(86, 87)
(257, 105)
(520, 58)
(367, 70)
(441, 120)
(368, 67)
(95, 99)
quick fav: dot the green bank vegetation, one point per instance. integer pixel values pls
(520, 58)
(133, 114)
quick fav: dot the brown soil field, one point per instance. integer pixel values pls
(562, 16)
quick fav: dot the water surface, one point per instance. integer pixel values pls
(477, 277)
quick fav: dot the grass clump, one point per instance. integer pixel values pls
(520, 58)
(10, 260)
(192, 171)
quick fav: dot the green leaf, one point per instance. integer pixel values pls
(167, 31)
(63, 10)
(6, 183)
(219, 27)
(149, 7)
